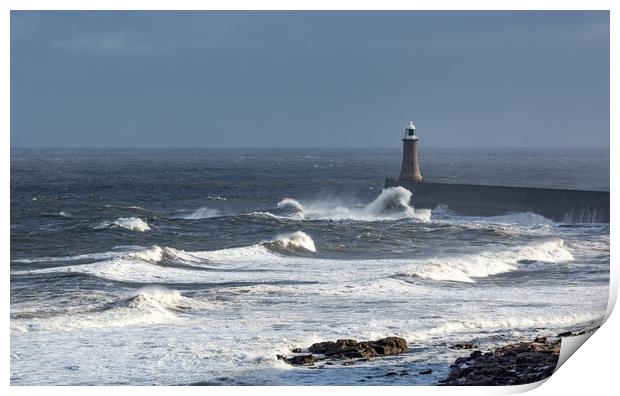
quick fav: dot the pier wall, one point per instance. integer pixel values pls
(568, 206)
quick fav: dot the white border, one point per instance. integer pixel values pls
(592, 369)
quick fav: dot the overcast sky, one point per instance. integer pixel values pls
(300, 79)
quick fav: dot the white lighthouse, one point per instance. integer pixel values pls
(410, 170)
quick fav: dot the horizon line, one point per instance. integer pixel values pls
(299, 147)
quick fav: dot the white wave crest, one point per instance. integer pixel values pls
(156, 254)
(393, 203)
(467, 267)
(293, 204)
(153, 254)
(157, 297)
(265, 215)
(202, 213)
(149, 305)
(552, 322)
(129, 223)
(296, 240)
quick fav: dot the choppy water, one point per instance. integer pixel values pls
(199, 266)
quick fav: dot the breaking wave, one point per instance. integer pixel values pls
(391, 204)
(156, 254)
(128, 223)
(466, 268)
(144, 265)
(149, 305)
(152, 297)
(298, 240)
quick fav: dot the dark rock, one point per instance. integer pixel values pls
(330, 348)
(302, 360)
(426, 372)
(349, 349)
(388, 346)
(513, 364)
(462, 346)
(566, 334)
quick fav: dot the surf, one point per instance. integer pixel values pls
(128, 223)
(147, 306)
(393, 203)
(469, 267)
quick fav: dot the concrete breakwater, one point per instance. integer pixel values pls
(568, 206)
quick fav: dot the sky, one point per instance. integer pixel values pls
(309, 79)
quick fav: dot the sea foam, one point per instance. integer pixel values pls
(465, 268)
(393, 203)
(128, 223)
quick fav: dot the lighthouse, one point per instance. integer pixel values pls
(410, 170)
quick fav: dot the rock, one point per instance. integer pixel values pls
(352, 349)
(462, 346)
(566, 334)
(426, 372)
(349, 349)
(513, 364)
(302, 360)
(388, 346)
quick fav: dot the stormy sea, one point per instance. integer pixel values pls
(181, 266)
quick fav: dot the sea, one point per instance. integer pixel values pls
(200, 266)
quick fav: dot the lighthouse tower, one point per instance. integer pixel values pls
(410, 170)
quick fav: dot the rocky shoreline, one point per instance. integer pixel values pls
(513, 364)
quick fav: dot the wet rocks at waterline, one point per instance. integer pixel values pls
(347, 350)
(513, 364)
